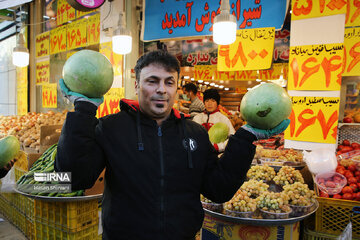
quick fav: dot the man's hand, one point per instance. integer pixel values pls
(74, 96)
(9, 165)
(264, 134)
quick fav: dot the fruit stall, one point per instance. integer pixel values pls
(287, 59)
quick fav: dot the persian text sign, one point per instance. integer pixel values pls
(253, 49)
(353, 13)
(76, 34)
(49, 95)
(246, 75)
(313, 119)
(115, 59)
(21, 77)
(111, 102)
(65, 12)
(352, 52)
(316, 67)
(271, 74)
(93, 29)
(42, 72)
(173, 18)
(42, 44)
(317, 8)
(204, 72)
(58, 40)
(22, 102)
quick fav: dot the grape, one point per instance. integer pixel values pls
(288, 175)
(254, 188)
(241, 202)
(261, 172)
(273, 202)
(299, 194)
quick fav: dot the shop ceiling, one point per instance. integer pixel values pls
(10, 22)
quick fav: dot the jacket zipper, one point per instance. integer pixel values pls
(162, 182)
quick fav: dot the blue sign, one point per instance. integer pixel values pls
(166, 19)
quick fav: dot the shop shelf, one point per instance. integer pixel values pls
(67, 216)
(333, 215)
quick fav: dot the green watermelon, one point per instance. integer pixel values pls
(218, 132)
(265, 106)
(9, 149)
(89, 73)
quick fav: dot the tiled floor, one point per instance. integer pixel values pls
(9, 231)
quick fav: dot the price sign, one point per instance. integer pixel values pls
(111, 102)
(42, 44)
(49, 95)
(204, 72)
(353, 14)
(42, 72)
(22, 102)
(93, 29)
(316, 8)
(252, 50)
(76, 34)
(79, 14)
(313, 119)
(352, 52)
(21, 77)
(246, 75)
(271, 74)
(115, 59)
(285, 71)
(58, 40)
(316, 67)
(65, 12)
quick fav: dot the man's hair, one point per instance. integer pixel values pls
(190, 87)
(160, 57)
(212, 94)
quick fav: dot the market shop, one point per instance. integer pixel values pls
(303, 183)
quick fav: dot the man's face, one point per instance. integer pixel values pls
(188, 94)
(156, 91)
(210, 105)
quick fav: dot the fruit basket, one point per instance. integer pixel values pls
(215, 207)
(238, 214)
(298, 211)
(330, 182)
(274, 215)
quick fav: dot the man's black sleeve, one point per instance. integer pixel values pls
(224, 177)
(78, 150)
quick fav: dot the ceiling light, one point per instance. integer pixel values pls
(258, 80)
(121, 39)
(216, 85)
(224, 28)
(207, 83)
(221, 86)
(226, 89)
(20, 52)
(212, 84)
(186, 77)
(192, 79)
(200, 81)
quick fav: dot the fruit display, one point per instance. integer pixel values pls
(210, 205)
(330, 182)
(265, 106)
(284, 155)
(288, 175)
(9, 149)
(45, 164)
(218, 132)
(347, 146)
(261, 172)
(273, 202)
(254, 188)
(299, 194)
(89, 73)
(350, 191)
(241, 205)
(27, 128)
(352, 115)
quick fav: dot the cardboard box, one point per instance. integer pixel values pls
(49, 135)
(98, 187)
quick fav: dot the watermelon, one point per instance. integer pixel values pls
(89, 73)
(218, 132)
(9, 149)
(265, 106)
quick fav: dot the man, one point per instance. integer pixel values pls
(196, 105)
(157, 161)
(212, 115)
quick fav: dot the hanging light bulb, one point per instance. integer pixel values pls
(224, 28)
(20, 52)
(121, 39)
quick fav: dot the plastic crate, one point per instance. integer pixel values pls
(67, 216)
(18, 173)
(29, 208)
(18, 202)
(18, 219)
(312, 235)
(29, 230)
(333, 215)
(5, 207)
(43, 231)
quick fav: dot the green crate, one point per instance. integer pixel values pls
(312, 235)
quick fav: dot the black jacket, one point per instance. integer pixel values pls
(152, 181)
